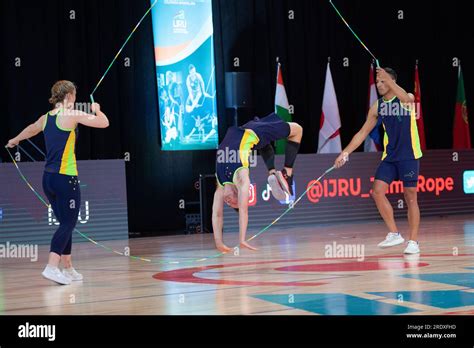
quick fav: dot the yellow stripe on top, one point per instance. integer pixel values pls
(415, 138)
(249, 140)
(68, 159)
(385, 142)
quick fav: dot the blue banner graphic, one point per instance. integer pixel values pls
(184, 54)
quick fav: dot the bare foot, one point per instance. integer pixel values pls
(222, 248)
(247, 246)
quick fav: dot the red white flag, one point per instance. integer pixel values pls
(329, 137)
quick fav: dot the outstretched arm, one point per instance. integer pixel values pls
(29, 132)
(218, 219)
(360, 136)
(243, 187)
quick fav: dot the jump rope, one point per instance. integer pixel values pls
(162, 261)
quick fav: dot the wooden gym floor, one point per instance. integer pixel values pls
(295, 272)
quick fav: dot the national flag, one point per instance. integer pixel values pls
(329, 137)
(282, 108)
(461, 135)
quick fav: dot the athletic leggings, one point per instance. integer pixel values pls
(64, 195)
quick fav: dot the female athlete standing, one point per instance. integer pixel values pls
(60, 182)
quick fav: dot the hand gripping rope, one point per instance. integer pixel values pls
(154, 261)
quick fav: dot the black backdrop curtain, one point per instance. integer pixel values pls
(50, 45)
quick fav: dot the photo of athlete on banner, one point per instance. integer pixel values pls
(197, 94)
(186, 75)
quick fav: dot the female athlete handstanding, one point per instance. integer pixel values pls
(60, 182)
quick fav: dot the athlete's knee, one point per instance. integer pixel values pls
(296, 131)
(67, 227)
(296, 127)
(410, 196)
(378, 192)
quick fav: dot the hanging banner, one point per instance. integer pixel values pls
(184, 54)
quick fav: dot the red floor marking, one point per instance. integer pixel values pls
(350, 267)
(468, 312)
(186, 275)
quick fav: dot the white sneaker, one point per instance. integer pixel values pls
(392, 239)
(412, 248)
(72, 274)
(282, 182)
(277, 191)
(54, 274)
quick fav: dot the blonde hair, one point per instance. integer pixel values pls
(59, 91)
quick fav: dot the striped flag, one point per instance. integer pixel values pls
(329, 137)
(282, 108)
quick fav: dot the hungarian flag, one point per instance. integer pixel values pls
(329, 138)
(281, 108)
(373, 142)
(461, 136)
(419, 116)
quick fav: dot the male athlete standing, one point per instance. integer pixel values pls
(400, 160)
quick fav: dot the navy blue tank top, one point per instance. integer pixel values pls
(233, 153)
(60, 147)
(401, 140)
